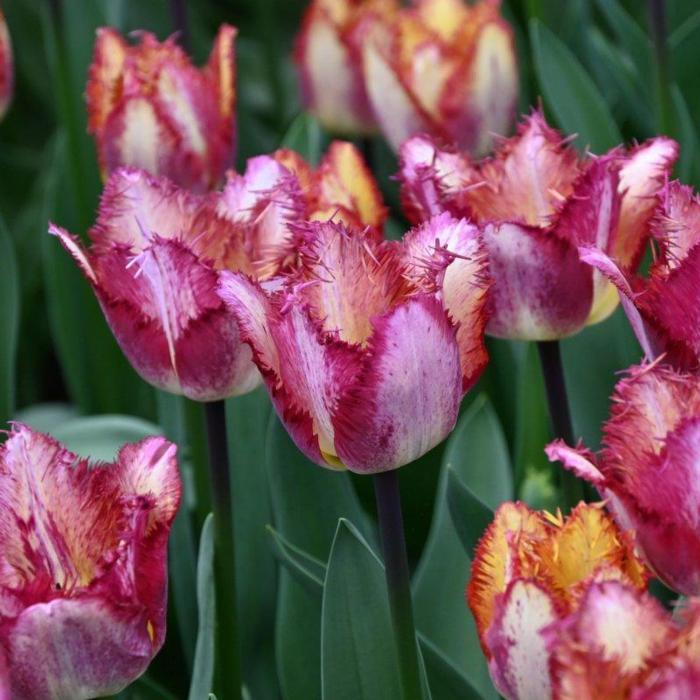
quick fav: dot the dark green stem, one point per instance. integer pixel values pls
(659, 34)
(178, 12)
(227, 666)
(386, 488)
(559, 413)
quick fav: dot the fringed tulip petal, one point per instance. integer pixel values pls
(83, 599)
(542, 291)
(519, 657)
(150, 108)
(411, 384)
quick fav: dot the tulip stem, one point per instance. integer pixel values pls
(386, 488)
(178, 12)
(227, 666)
(662, 73)
(559, 412)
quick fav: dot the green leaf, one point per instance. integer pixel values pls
(470, 516)
(9, 324)
(307, 502)
(477, 453)
(305, 568)
(256, 570)
(203, 671)
(687, 135)
(101, 437)
(358, 654)
(629, 35)
(447, 682)
(305, 136)
(44, 417)
(570, 93)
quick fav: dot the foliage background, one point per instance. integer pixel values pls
(599, 73)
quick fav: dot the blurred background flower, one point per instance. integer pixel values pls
(7, 68)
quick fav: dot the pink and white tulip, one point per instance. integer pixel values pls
(541, 207)
(150, 108)
(647, 469)
(83, 565)
(366, 350)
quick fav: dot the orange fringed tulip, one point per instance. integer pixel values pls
(6, 67)
(150, 108)
(445, 68)
(562, 614)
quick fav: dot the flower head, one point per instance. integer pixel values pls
(83, 576)
(541, 206)
(365, 355)
(562, 614)
(150, 108)
(328, 54)
(6, 67)
(445, 68)
(647, 469)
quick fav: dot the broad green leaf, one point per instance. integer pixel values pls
(305, 136)
(307, 502)
(447, 682)
(256, 570)
(358, 654)
(101, 437)
(570, 93)
(306, 569)
(687, 135)
(45, 417)
(203, 671)
(470, 516)
(9, 323)
(478, 455)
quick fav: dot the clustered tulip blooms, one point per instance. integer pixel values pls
(150, 108)
(647, 470)
(438, 66)
(6, 67)
(539, 204)
(157, 251)
(366, 349)
(562, 614)
(83, 574)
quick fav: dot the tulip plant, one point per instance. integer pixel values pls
(275, 428)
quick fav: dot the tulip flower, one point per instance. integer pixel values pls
(328, 54)
(445, 68)
(540, 206)
(157, 250)
(150, 108)
(663, 309)
(83, 565)
(647, 469)
(6, 67)
(365, 349)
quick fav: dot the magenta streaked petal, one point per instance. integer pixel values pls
(82, 599)
(578, 460)
(519, 663)
(7, 70)
(541, 290)
(406, 398)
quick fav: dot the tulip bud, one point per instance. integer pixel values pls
(6, 67)
(83, 565)
(150, 108)
(444, 68)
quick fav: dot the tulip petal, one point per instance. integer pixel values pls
(346, 182)
(641, 179)
(406, 397)
(7, 71)
(578, 460)
(541, 291)
(519, 664)
(221, 69)
(464, 286)
(90, 592)
(676, 682)
(397, 110)
(102, 88)
(305, 372)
